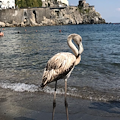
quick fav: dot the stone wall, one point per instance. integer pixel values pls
(8, 15)
(49, 16)
(24, 16)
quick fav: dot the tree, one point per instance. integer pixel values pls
(28, 3)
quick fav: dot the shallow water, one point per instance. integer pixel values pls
(24, 55)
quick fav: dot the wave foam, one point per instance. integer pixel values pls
(19, 87)
(84, 93)
(22, 87)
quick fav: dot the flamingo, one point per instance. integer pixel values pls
(61, 65)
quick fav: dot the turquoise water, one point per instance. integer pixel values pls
(24, 55)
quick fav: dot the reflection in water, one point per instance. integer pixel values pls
(66, 109)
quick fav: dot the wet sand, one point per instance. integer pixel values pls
(38, 106)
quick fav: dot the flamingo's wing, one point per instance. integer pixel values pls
(58, 67)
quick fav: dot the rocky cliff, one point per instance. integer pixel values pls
(59, 15)
(81, 14)
(73, 15)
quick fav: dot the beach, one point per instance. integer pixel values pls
(38, 106)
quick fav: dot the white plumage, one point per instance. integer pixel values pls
(58, 67)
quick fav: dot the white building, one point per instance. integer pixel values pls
(5, 4)
(64, 1)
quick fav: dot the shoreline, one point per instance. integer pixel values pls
(39, 25)
(12, 25)
(36, 106)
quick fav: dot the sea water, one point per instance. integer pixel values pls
(24, 52)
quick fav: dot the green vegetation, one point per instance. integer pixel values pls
(28, 3)
(83, 10)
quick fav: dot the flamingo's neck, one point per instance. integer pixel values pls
(78, 60)
(72, 46)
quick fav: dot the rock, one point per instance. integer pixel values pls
(2, 24)
(33, 23)
(8, 25)
(47, 21)
(22, 24)
(78, 18)
(14, 23)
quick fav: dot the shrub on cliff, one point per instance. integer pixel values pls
(28, 3)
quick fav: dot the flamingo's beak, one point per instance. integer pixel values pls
(81, 49)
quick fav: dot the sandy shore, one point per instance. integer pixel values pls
(38, 106)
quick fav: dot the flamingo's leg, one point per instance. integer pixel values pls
(66, 104)
(54, 101)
